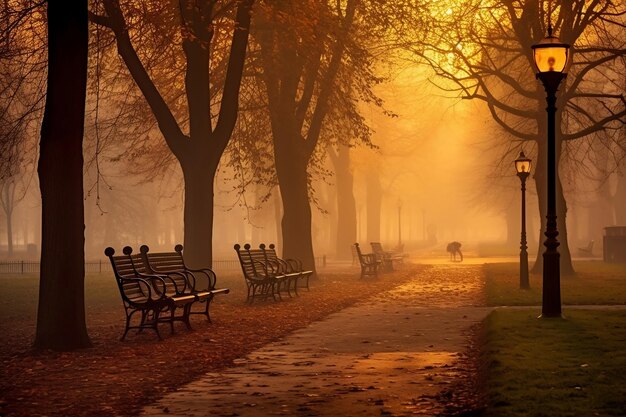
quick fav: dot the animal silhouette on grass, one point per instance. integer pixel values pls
(453, 249)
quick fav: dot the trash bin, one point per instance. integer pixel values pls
(615, 244)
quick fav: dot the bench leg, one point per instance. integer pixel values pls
(205, 311)
(155, 325)
(186, 314)
(287, 283)
(173, 308)
(308, 276)
(276, 290)
(127, 327)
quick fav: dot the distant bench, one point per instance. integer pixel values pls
(368, 261)
(389, 259)
(267, 275)
(157, 288)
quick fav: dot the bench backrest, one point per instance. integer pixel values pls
(175, 283)
(358, 252)
(164, 261)
(377, 248)
(270, 252)
(258, 258)
(246, 261)
(131, 290)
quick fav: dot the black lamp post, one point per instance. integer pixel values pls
(522, 166)
(551, 59)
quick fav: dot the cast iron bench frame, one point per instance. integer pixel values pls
(173, 264)
(387, 258)
(262, 281)
(149, 295)
(287, 266)
(369, 262)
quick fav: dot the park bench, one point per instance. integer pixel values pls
(368, 261)
(287, 266)
(152, 296)
(261, 279)
(173, 264)
(387, 258)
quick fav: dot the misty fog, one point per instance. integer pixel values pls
(439, 161)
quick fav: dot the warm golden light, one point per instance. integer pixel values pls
(551, 55)
(522, 164)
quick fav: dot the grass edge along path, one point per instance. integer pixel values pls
(552, 367)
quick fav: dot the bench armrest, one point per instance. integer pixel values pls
(294, 264)
(263, 266)
(211, 277)
(148, 286)
(162, 280)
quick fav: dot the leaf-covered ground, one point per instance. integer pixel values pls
(118, 378)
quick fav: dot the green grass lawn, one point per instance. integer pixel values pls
(556, 368)
(20, 294)
(595, 282)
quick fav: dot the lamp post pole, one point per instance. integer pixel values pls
(522, 166)
(524, 282)
(551, 306)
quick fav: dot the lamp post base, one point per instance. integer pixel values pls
(551, 283)
(524, 282)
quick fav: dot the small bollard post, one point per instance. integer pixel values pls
(324, 261)
(22, 267)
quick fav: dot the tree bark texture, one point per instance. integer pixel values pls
(61, 311)
(8, 204)
(198, 175)
(290, 76)
(278, 216)
(291, 169)
(620, 199)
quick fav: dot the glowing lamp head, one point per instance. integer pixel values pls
(551, 55)
(522, 164)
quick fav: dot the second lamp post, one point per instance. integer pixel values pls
(522, 166)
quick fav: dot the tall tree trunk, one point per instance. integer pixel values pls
(7, 198)
(9, 215)
(374, 200)
(346, 204)
(198, 174)
(61, 312)
(619, 200)
(278, 216)
(291, 168)
(601, 213)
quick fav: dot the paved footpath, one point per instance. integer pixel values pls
(387, 356)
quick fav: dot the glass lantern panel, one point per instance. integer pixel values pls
(551, 59)
(522, 166)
